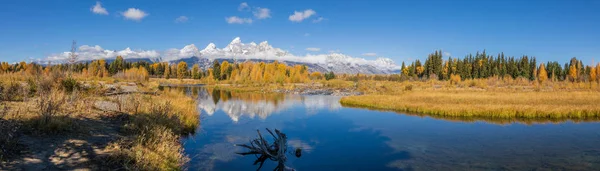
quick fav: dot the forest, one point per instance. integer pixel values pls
(478, 66)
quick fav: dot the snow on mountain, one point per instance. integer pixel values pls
(238, 51)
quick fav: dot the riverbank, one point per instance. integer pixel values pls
(57, 123)
(492, 101)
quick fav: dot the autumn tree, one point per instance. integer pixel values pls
(195, 71)
(182, 68)
(593, 72)
(167, 72)
(542, 74)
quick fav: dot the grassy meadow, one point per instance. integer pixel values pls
(482, 98)
(120, 122)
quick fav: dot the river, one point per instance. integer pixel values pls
(333, 137)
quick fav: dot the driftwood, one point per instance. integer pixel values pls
(263, 150)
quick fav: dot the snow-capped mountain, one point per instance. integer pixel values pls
(336, 62)
(236, 51)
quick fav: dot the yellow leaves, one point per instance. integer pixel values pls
(182, 69)
(455, 78)
(593, 73)
(573, 72)
(542, 73)
(316, 75)
(420, 70)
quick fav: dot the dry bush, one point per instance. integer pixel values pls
(8, 138)
(155, 148)
(50, 109)
(455, 79)
(13, 90)
(134, 74)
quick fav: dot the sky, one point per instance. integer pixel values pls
(403, 30)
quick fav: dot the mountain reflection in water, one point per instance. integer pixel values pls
(251, 105)
(344, 138)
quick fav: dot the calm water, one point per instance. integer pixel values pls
(341, 138)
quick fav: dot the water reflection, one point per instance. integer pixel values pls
(251, 105)
(499, 121)
(341, 138)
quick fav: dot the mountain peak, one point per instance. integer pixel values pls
(237, 40)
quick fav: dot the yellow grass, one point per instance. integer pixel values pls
(152, 131)
(486, 103)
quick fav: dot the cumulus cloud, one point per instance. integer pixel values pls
(238, 20)
(243, 7)
(314, 49)
(319, 20)
(86, 52)
(181, 19)
(262, 13)
(302, 15)
(369, 54)
(98, 9)
(134, 14)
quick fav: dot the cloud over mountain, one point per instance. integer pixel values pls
(242, 51)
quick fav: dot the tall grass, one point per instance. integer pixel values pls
(155, 124)
(154, 148)
(493, 104)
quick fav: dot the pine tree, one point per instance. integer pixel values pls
(216, 70)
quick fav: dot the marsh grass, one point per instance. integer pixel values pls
(155, 125)
(493, 104)
(154, 148)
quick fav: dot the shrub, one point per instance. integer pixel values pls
(408, 87)
(455, 79)
(155, 148)
(8, 138)
(69, 84)
(13, 91)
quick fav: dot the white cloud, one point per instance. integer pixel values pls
(300, 16)
(369, 54)
(319, 20)
(243, 7)
(134, 14)
(236, 50)
(86, 52)
(314, 49)
(238, 20)
(447, 54)
(306, 34)
(262, 13)
(181, 19)
(98, 9)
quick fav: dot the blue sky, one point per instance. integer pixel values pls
(402, 30)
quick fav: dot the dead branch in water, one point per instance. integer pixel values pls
(263, 150)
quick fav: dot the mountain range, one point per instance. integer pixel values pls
(236, 51)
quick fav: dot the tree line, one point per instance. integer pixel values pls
(479, 65)
(483, 65)
(245, 72)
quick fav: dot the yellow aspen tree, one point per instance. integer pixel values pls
(598, 72)
(181, 69)
(573, 73)
(542, 73)
(593, 73)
